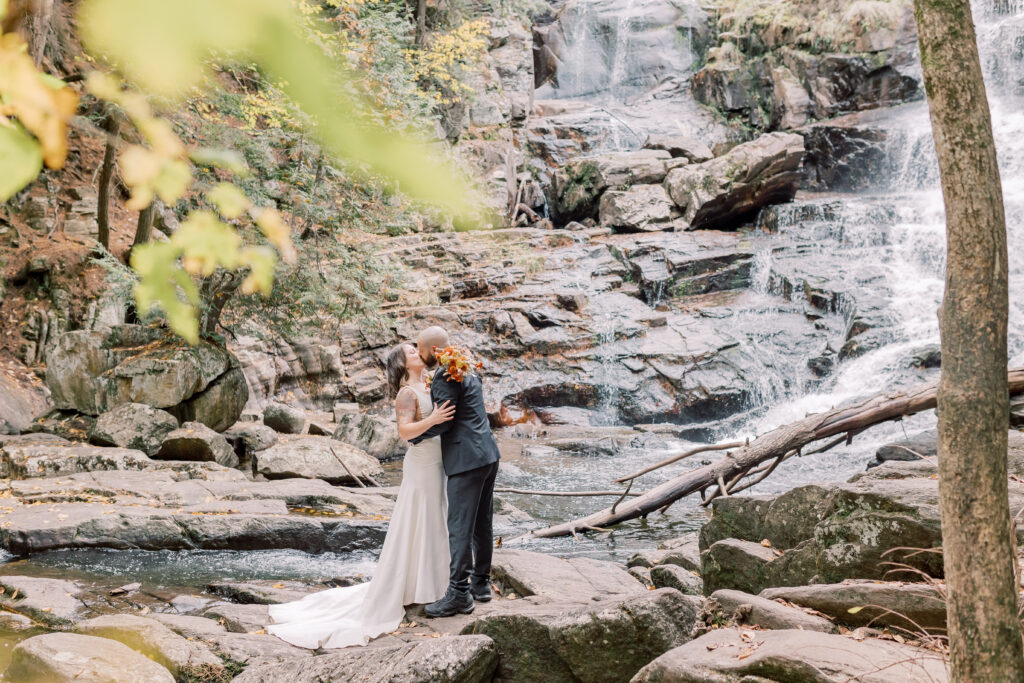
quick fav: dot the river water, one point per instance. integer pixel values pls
(885, 247)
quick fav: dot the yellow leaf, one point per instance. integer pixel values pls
(229, 200)
(20, 160)
(854, 610)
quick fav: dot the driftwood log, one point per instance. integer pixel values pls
(749, 464)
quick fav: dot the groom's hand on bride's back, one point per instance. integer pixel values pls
(444, 392)
(442, 413)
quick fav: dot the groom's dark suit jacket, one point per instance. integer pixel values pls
(466, 440)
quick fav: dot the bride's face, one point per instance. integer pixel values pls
(413, 363)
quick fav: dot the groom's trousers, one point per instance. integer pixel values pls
(470, 513)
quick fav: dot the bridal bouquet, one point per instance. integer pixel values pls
(456, 361)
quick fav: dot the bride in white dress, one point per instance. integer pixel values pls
(413, 564)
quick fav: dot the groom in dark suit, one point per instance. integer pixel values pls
(470, 456)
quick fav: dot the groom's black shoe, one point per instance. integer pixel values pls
(481, 590)
(453, 602)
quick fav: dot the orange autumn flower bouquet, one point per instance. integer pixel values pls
(456, 361)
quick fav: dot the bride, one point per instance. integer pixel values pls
(413, 564)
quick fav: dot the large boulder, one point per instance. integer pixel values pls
(316, 457)
(910, 606)
(375, 435)
(725, 191)
(284, 418)
(577, 186)
(53, 602)
(607, 640)
(95, 371)
(736, 564)
(754, 610)
(133, 425)
(459, 659)
(32, 459)
(673, 576)
(579, 578)
(154, 640)
(74, 658)
(196, 441)
(732, 655)
(641, 208)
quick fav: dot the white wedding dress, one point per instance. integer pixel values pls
(412, 569)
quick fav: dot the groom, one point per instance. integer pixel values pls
(470, 456)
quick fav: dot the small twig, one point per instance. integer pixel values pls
(680, 456)
(338, 458)
(623, 496)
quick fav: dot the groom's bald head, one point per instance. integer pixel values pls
(430, 338)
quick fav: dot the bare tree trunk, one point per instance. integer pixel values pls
(977, 538)
(112, 125)
(214, 293)
(144, 229)
(421, 21)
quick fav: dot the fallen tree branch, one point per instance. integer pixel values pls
(527, 492)
(776, 444)
(678, 457)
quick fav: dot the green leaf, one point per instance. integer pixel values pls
(21, 160)
(229, 200)
(160, 281)
(224, 158)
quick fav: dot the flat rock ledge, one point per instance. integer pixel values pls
(741, 656)
(70, 657)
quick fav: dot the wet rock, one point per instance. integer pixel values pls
(788, 656)
(13, 623)
(49, 601)
(133, 425)
(95, 371)
(375, 435)
(845, 156)
(922, 445)
(673, 576)
(239, 618)
(754, 610)
(67, 657)
(680, 146)
(582, 578)
(153, 640)
(260, 592)
(643, 575)
(29, 459)
(604, 641)
(316, 457)
(196, 441)
(641, 208)
(910, 606)
(284, 419)
(735, 564)
(723, 192)
(466, 659)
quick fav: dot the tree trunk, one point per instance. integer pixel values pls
(214, 293)
(421, 21)
(144, 230)
(112, 125)
(977, 538)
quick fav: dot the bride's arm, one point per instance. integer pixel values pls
(409, 427)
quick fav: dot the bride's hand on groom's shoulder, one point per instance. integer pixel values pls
(442, 413)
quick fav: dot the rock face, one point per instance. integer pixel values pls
(724, 191)
(776, 66)
(316, 457)
(284, 418)
(96, 371)
(726, 656)
(641, 208)
(196, 441)
(461, 659)
(375, 435)
(603, 641)
(133, 425)
(577, 186)
(34, 458)
(70, 657)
